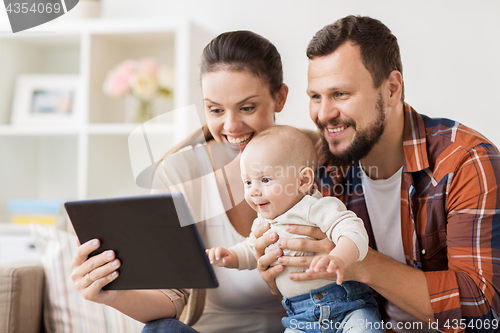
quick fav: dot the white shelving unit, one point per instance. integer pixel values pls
(89, 159)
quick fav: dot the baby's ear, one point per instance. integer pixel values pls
(306, 180)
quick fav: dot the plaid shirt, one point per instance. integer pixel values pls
(450, 216)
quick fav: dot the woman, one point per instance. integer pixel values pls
(242, 83)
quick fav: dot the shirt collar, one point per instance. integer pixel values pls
(414, 141)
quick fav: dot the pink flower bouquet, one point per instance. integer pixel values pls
(145, 79)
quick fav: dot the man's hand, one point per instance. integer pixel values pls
(320, 245)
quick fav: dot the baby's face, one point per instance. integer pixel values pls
(271, 187)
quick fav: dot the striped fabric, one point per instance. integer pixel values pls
(450, 216)
(66, 311)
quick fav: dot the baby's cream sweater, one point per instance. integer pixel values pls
(329, 214)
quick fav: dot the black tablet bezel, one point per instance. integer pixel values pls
(155, 251)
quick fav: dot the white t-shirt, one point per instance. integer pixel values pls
(383, 202)
(242, 302)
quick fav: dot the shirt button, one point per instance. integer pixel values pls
(318, 296)
(424, 252)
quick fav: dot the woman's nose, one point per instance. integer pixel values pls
(232, 122)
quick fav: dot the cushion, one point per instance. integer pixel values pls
(65, 309)
(21, 288)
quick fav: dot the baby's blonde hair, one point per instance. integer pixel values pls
(297, 147)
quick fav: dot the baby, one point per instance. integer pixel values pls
(277, 168)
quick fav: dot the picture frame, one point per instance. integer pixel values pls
(46, 99)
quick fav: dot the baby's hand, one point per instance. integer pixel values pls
(222, 257)
(328, 263)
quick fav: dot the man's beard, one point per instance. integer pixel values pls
(363, 140)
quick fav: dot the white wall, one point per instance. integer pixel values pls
(450, 48)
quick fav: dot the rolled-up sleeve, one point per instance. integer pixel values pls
(179, 297)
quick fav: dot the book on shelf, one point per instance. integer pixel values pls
(25, 211)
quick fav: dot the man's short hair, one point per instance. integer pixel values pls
(378, 47)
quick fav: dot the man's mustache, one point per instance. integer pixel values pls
(337, 122)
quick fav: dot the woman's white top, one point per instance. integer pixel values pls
(242, 302)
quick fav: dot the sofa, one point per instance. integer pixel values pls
(21, 298)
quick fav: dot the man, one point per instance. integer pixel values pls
(426, 188)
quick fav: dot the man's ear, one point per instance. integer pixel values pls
(395, 85)
(306, 180)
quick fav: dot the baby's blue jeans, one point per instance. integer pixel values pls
(167, 325)
(349, 307)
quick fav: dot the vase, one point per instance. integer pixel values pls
(139, 111)
(144, 112)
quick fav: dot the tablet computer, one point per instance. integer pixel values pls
(145, 232)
